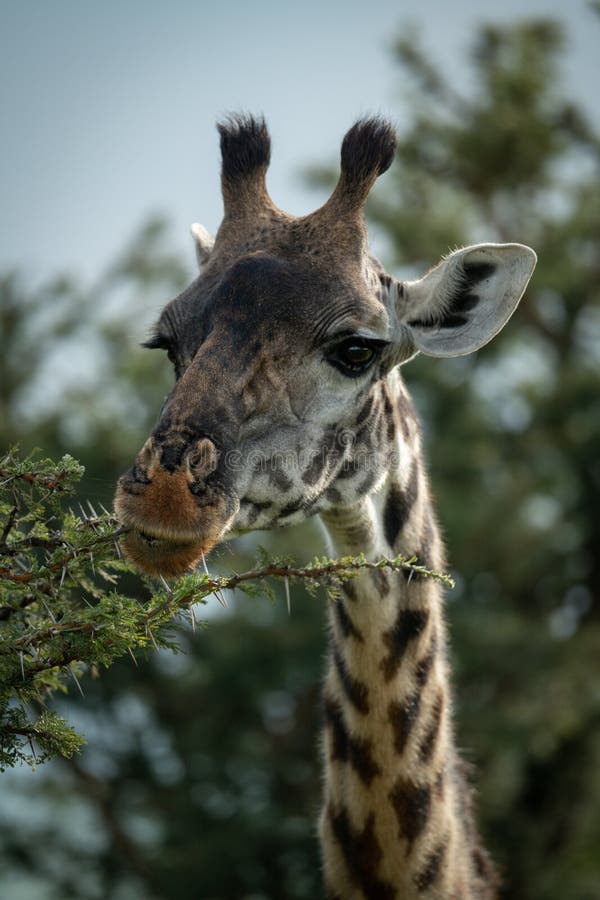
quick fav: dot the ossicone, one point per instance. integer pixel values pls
(245, 153)
(245, 145)
(368, 151)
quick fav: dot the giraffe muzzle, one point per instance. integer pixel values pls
(173, 509)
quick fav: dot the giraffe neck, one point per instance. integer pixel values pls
(396, 822)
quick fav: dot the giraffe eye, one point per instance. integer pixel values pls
(353, 356)
(161, 342)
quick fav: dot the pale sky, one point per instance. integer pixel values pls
(108, 109)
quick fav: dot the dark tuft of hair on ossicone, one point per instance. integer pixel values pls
(368, 150)
(245, 146)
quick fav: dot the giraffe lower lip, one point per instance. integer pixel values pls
(155, 541)
(162, 556)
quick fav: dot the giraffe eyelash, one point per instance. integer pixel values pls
(158, 341)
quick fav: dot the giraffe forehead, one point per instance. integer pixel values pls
(272, 299)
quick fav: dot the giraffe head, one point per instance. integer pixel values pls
(282, 350)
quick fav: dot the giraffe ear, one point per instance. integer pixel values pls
(204, 243)
(466, 299)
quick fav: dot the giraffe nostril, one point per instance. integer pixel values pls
(145, 463)
(202, 459)
(139, 474)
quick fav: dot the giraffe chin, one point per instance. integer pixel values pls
(159, 556)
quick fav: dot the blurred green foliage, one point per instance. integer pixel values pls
(201, 778)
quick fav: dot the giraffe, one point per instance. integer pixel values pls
(288, 402)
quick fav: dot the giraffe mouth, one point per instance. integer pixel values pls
(155, 554)
(148, 539)
(167, 531)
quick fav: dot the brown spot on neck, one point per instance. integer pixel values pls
(344, 620)
(411, 803)
(345, 748)
(409, 625)
(362, 854)
(402, 716)
(429, 873)
(356, 691)
(430, 738)
(399, 504)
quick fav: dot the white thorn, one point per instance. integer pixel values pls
(48, 610)
(204, 563)
(76, 680)
(152, 638)
(218, 594)
(287, 595)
